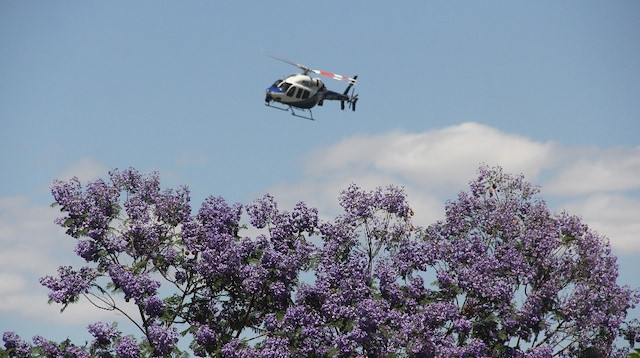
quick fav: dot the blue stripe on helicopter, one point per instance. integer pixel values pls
(275, 89)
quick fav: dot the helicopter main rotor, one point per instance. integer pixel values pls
(306, 70)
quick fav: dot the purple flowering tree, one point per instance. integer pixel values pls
(500, 276)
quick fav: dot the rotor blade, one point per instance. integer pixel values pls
(335, 76)
(300, 66)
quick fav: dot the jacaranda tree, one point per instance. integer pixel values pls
(500, 276)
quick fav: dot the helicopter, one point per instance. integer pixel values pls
(304, 92)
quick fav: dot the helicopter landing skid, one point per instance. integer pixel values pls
(293, 113)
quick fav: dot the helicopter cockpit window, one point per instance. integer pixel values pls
(276, 83)
(285, 86)
(299, 94)
(291, 91)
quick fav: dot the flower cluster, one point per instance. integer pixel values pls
(15, 346)
(127, 348)
(162, 340)
(70, 284)
(103, 333)
(134, 286)
(64, 349)
(499, 276)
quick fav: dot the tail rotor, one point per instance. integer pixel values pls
(351, 99)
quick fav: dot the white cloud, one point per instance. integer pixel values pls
(28, 235)
(33, 246)
(434, 165)
(32, 306)
(446, 157)
(85, 169)
(596, 170)
(11, 283)
(613, 215)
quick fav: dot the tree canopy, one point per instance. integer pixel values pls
(500, 276)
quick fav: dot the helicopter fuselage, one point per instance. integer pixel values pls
(300, 90)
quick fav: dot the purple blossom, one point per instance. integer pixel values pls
(162, 340)
(134, 286)
(50, 349)
(361, 204)
(71, 200)
(103, 333)
(172, 207)
(154, 306)
(88, 250)
(305, 219)
(180, 277)
(70, 285)
(236, 348)
(275, 347)
(89, 213)
(65, 349)
(389, 289)
(127, 348)
(205, 335)
(262, 211)
(218, 217)
(15, 345)
(543, 351)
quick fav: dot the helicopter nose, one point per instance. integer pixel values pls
(274, 92)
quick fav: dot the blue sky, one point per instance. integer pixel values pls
(549, 89)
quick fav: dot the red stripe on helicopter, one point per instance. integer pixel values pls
(335, 76)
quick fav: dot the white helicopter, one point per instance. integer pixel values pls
(303, 92)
